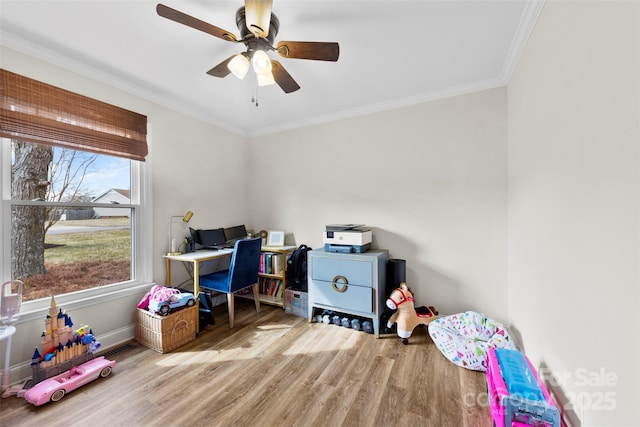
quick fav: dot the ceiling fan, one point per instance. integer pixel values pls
(258, 29)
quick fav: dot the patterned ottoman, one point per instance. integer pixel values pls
(465, 338)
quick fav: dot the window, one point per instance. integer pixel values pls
(71, 229)
(72, 191)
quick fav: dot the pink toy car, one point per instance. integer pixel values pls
(54, 388)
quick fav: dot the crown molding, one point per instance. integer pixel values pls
(383, 106)
(519, 42)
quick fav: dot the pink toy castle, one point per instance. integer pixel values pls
(61, 347)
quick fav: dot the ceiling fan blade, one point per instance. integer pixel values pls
(320, 51)
(221, 70)
(190, 21)
(283, 78)
(258, 16)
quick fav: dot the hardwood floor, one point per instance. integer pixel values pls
(273, 369)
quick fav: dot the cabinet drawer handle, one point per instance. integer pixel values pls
(335, 281)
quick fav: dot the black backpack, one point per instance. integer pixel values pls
(297, 269)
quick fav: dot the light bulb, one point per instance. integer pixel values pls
(261, 62)
(265, 78)
(239, 66)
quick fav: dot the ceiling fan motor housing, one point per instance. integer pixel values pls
(248, 36)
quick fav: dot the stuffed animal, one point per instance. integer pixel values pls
(407, 317)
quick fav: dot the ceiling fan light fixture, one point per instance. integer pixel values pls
(262, 67)
(258, 16)
(239, 65)
(266, 78)
(261, 62)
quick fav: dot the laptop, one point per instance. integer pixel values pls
(233, 234)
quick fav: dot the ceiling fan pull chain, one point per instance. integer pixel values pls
(254, 97)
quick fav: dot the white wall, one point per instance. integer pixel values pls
(574, 206)
(430, 179)
(195, 167)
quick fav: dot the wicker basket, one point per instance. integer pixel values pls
(166, 333)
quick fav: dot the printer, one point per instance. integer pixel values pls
(347, 238)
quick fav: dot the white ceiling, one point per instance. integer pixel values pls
(392, 53)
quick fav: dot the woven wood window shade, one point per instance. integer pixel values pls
(37, 112)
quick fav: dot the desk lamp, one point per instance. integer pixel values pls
(173, 248)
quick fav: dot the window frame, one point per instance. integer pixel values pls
(141, 240)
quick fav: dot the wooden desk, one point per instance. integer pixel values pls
(195, 258)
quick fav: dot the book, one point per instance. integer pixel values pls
(276, 261)
(267, 262)
(261, 267)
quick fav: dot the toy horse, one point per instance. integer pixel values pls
(407, 316)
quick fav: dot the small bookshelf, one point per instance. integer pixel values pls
(272, 280)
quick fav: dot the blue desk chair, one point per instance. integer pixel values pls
(242, 273)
